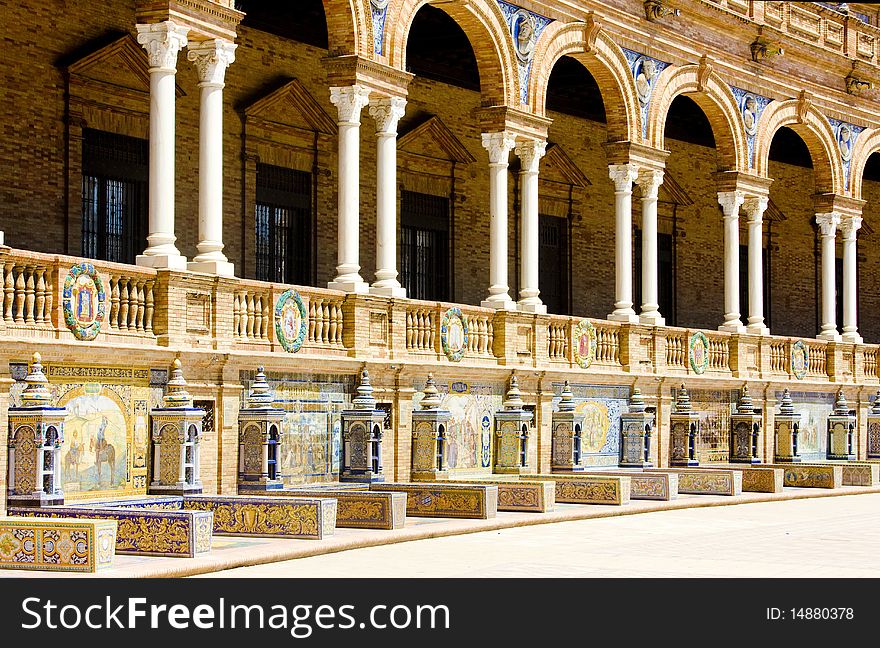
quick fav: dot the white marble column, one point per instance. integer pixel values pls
(211, 57)
(349, 101)
(730, 202)
(849, 229)
(649, 180)
(754, 207)
(499, 146)
(530, 154)
(386, 111)
(162, 41)
(623, 176)
(827, 232)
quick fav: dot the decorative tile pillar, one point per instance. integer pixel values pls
(163, 42)
(260, 440)
(430, 426)
(745, 428)
(841, 430)
(567, 435)
(874, 428)
(684, 425)
(636, 430)
(177, 433)
(36, 433)
(787, 424)
(362, 437)
(512, 433)
(211, 58)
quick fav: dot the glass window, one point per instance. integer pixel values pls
(283, 225)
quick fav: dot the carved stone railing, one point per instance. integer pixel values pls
(607, 343)
(481, 331)
(817, 365)
(252, 312)
(558, 336)
(719, 352)
(780, 356)
(869, 362)
(676, 349)
(326, 319)
(422, 323)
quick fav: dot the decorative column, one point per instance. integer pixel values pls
(787, 424)
(849, 228)
(386, 111)
(362, 437)
(162, 42)
(499, 146)
(873, 429)
(841, 430)
(349, 101)
(567, 441)
(429, 429)
(530, 153)
(211, 57)
(650, 180)
(260, 439)
(827, 231)
(745, 426)
(684, 426)
(754, 207)
(636, 430)
(623, 176)
(730, 203)
(511, 433)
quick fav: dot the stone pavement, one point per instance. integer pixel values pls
(229, 553)
(797, 538)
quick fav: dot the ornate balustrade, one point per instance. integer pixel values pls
(141, 306)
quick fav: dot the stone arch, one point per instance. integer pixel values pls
(814, 129)
(604, 60)
(349, 27)
(867, 144)
(714, 97)
(486, 29)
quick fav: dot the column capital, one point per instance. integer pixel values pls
(649, 180)
(530, 153)
(349, 101)
(622, 175)
(730, 202)
(163, 42)
(387, 111)
(212, 57)
(755, 206)
(499, 146)
(849, 227)
(828, 223)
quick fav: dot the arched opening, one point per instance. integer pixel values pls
(50, 457)
(441, 447)
(577, 445)
(446, 89)
(376, 450)
(868, 265)
(579, 128)
(524, 445)
(690, 259)
(793, 258)
(302, 21)
(190, 454)
(272, 452)
(647, 442)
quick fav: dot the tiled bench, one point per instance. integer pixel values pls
(143, 531)
(359, 509)
(758, 478)
(705, 481)
(522, 495)
(59, 544)
(856, 473)
(811, 475)
(586, 488)
(647, 486)
(466, 501)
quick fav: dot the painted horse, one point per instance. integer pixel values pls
(104, 452)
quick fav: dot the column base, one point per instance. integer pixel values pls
(538, 308)
(757, 329)
(733, 327)
(221, 268)
(504, 304)
(830, 336)
(852, 338)
(161, 261)
(359, 287)
(652, 319)
(398, 291)
(624, 315)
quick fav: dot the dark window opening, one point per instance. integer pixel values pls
(283, 225)
(665, 276)
(524, 446)
(302, 21)
(573, 90)
(437, 48)
(424, 246)
(687, 122)
(375, 450)
(788, 147)
(273, 454)
(114, 196)
(553, 264)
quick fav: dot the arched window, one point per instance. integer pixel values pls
(273, 453)
(49, 458)
(441, 447)
(190, 446)
(524, 445)
(376, 450)
(576, 450)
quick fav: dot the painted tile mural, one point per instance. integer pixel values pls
(473, 407)
(601, 407)
(814, 408)
(715, 407)
(106, 432)
(312, 426)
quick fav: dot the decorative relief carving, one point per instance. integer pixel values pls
(162, 41)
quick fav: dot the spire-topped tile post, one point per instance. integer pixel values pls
(874, 428)
(567, 435)
(177, 434)
(430, 426)
(260, 439)
(36, 434)
(512, 425)
(787, 427)
(685, 427)
(362, 436)
(745, 430)
(841, 431)
(636, 431)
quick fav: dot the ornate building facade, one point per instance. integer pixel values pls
(618, 194)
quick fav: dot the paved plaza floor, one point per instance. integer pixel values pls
(824, 537)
